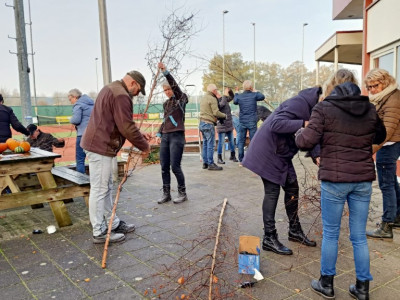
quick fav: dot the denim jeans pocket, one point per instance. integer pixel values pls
(336, 189)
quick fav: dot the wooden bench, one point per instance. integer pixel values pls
(74, 183)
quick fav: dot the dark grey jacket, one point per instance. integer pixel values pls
(226, 125)
(346, 125)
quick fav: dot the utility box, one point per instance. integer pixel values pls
(249, 254)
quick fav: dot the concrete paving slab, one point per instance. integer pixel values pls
(55, 266)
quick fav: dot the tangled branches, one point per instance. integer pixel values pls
(189, 276)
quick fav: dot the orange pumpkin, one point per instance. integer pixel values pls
(25, 145)
(3, 147)
(12, 144)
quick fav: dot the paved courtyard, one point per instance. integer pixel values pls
(67, 265)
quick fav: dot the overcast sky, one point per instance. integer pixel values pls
(66, 36)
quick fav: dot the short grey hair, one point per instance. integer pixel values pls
(211, 87)
(165, 83)
(75, 93)
(247, 85)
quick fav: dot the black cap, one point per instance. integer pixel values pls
(138, 77)
(31, 128)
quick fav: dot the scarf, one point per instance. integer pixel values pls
(378, 97)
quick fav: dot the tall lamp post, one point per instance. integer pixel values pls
(223, 49)
(254, 56)
(302, 58)
(97, 75)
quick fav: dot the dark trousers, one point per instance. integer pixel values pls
(171, 151)
(271, 196)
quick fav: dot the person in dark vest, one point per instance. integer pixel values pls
(172, 133)
(43, 140)
(345, 125)
(7, 118)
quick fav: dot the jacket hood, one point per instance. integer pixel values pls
(347, 97)
(311, 95)
(85, 99)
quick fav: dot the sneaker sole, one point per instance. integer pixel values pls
(177, 202)
(114, 241)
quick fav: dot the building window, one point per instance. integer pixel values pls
(386, 62)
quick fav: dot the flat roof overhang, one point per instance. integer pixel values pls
(347, 9)
(348, 45)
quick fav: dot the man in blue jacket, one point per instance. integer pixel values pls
(82, 108)
(247, 102)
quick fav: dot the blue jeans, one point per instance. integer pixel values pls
(80, 156)
(221, 141)
(171, 150)
(333, 197)
(236, 124)
(208, 132)
(386, 165)
(252, 128)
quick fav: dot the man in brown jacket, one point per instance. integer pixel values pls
(109, 125)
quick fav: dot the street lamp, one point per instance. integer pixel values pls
(302, 58)
(223, 49)
(254, 57)
(97, 76)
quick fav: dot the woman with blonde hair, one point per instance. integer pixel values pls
(385, 95)
(339, 77)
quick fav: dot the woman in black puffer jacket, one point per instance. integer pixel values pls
(346, 126)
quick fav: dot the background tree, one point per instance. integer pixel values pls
(236, 71)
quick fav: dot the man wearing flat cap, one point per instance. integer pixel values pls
(109, 125)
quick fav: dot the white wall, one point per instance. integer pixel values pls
(383, 24)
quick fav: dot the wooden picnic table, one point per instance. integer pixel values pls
(21, 172)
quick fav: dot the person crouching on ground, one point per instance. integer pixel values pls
(385, 95)
(270, 156)
(109, 125)
(172, 133)
(43, 140)
(209, 112)
(345, 125)
(225, 127)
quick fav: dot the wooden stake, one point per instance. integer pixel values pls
(215, 248)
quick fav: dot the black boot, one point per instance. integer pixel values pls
(205, 166)
(296, 234)
(324, 286)
(360, 290)
(384, 231)
(166, 194)
(220, 161)
(271, 243)
(233, 157)
(181, 195)
(214, 167)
